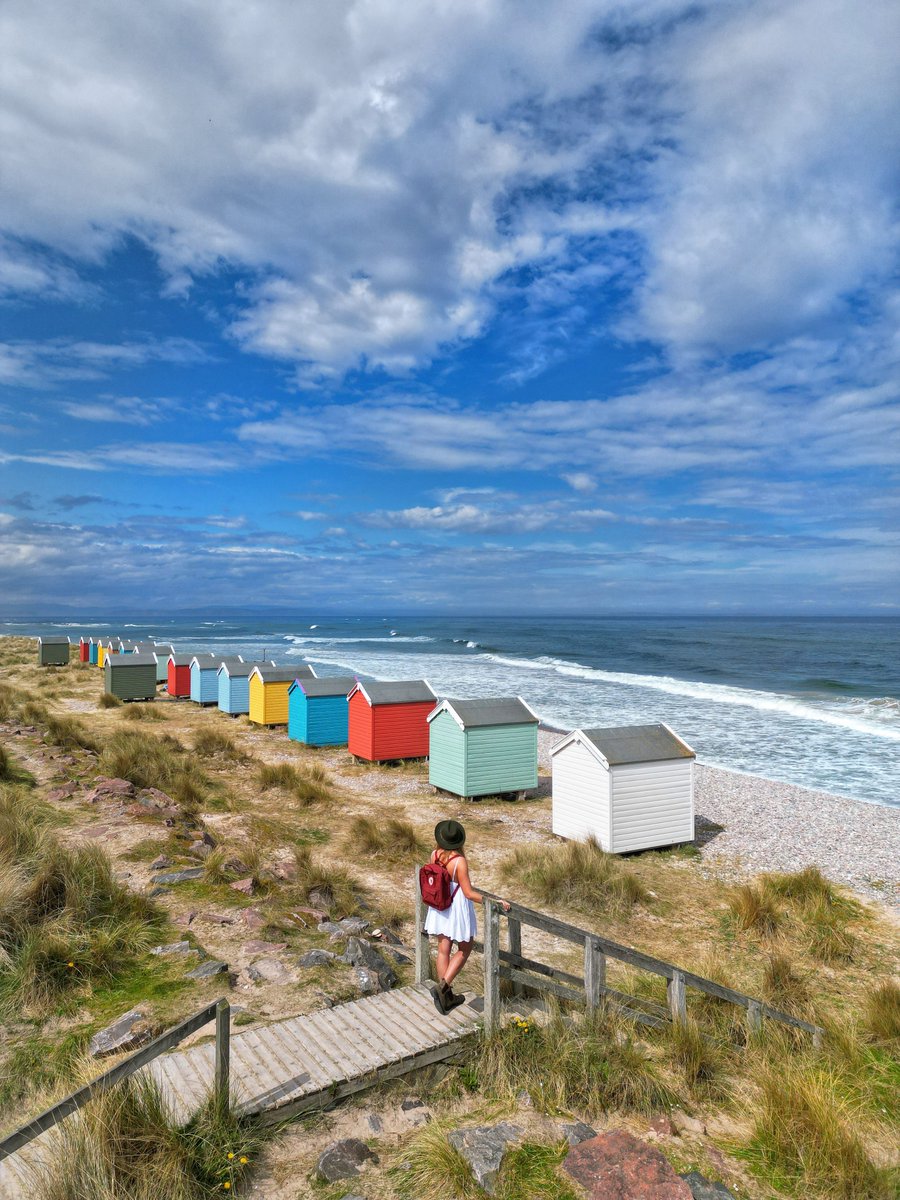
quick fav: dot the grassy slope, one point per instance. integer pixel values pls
(276, 808)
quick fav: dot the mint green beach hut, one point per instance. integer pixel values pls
(483, 747)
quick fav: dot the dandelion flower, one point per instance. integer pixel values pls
(230, 1155)
(244, 1159)
(226, 1185)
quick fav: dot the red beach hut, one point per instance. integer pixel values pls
(178, 678)
(389, 720)
(84, 649)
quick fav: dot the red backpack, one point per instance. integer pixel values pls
(436, 885)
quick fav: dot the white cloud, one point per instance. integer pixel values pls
(580, 481)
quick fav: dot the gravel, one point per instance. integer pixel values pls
(773, 826)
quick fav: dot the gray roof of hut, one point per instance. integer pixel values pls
(638, 743)
(131, 660)
(331, 685)
(182, 660)
(205, 660)
(111, 641)
(163, 648)
(238, 669)
(282, 674)
(501, 710)
(406, 691)
(54, 640)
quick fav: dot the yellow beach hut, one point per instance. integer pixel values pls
(268, 687)
(110, 645)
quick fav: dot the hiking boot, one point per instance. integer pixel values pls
(441, 995)
(454, 999)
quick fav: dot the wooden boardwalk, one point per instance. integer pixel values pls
(306, 1062)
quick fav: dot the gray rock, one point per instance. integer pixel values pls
(343, 1160)
(354, 925)
(268, 970)
(199, 850)
(705, 1189)
(317, 958)
(160, 863)
(576, 1132)
(173, 948)
(126, 1033)
(158, 891)
(397, 955)
(483, 1148)
(367, 981)
(363, 955)
(208, 969)
(154, 798)
(683, 1124)
(411, 1102)
(182, 876)
(322, 897)
(330, 927)
(375, 1123)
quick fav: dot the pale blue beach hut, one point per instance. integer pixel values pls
(232, 681)
(204, 680)
(317, 710)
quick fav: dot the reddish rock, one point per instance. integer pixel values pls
(113, 787)
(160, 863)
(619, 1166)
(131, 810)
(244, 886)
(253, 919)
(256, 947)
(183, 920)
(218, 918)
(662, 1126)
(61, 793)
(154, 798)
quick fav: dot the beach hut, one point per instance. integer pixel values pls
(110, 645)
(127, 647)
(93, 647)
(268, 692)
(232, 679)
(178, 675)
(204, 681)
(631, 788)
(53, 651)
(84, 649)
(161, 653)
(388, 721)
(130, 676)
(483, 747)
(317, 710)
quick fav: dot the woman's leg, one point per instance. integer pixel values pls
(458, 961)
(443, 957)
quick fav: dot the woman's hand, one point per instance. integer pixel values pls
(505, 905)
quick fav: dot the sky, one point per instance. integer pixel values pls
(460, 305)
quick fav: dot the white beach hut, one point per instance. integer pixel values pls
(631, 788)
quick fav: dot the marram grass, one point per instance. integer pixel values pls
(579, 875)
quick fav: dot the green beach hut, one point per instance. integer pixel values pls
(483, 747)
(53, 651)
(130, 676)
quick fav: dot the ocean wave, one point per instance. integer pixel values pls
(858, 719)
(303, 640)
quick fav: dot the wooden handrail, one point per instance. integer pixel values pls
(219, 1011)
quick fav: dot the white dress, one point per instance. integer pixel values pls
(456, 922)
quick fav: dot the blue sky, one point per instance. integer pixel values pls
(488, 305)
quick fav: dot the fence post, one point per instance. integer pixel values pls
(423, 955)
(676, 997)
(223, 1052)
(491, 966)
(754, 1017)
(594, 973)
(515, 947)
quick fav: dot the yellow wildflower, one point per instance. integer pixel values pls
(244, 1159)
(230, 1156)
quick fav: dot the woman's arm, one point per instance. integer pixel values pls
(462, 878)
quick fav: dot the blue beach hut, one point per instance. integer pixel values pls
(317, 710)
(204, 681)
(232, 681)
(92, 652)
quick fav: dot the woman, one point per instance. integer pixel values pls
(456, 923)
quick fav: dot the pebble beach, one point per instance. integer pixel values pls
(767, 825)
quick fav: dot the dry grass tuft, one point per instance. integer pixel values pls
(881, 1016)
(325, 886)
(108, 700)
(213, 743)
(784, 988)
(143, 712)
(579, 875)
(804, 906)
(697, 1057)
(161, 762)
(307, 785)
(755, 910)
(393, 840)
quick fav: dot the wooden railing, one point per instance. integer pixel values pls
(219, 1011)
(591, 987)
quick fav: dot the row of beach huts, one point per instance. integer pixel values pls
(632, 787)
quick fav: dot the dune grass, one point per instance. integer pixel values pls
(698, 1059)
(126, 1145)
(143, 712)
(784, 988)
(803, 908)
(579, 875)
(323, 885)
(150, 761)
(881, 1016)
(108, 700)
(213, 743)
(307, 784)
(65, 922)
(393, 840)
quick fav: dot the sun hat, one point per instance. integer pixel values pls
(449, 835)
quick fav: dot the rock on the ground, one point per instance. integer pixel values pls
(126, 1033)
(268, 970)
(161, 862)
(199, 849)
(206, 970)
(257, 947)
(113, 787)
(154, 798)
(353, 925)
(619, 1166)
(576, 1132)
(483, 1148)
(183, 876)
(363, 955)
(253, 918)
(343, 1160)
(706, 1189)
(331, 927)
(683, 1124)
(61, 793)
(317, 958)
(244, 886)
(173, 948)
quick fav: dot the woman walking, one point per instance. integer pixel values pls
(456, 923)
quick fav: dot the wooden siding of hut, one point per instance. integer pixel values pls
(482, 761)
(53, 652)
(84, 650)
(130, 676)
(268, 701)
(385, 732)
(92, 651)
(161, 654)
(318, 720)
(178, 678)
(203, 678)
(233, 688)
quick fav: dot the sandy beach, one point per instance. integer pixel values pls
(768, 825)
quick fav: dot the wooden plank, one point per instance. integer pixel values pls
(594, 973)
(540, 983)
(423, 951)
(491, 966)
(419, 1029)
(514, 935)
(223, 1049)
(676, 997)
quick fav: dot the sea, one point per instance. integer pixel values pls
(809, 701)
